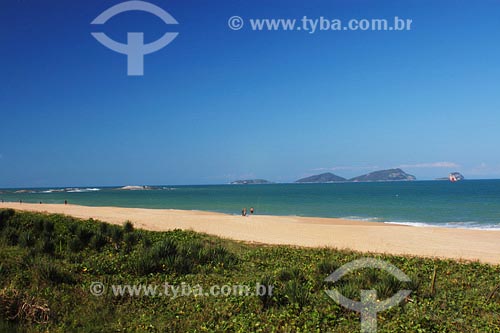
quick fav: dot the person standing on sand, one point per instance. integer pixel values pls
(65, 202)
(244, 212)
(251, 210)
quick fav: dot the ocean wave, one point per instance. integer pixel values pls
(81, 190)
(452, 225)
(51, 191)
(69, 190)
(360, 218)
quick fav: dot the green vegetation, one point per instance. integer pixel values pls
(48, 264)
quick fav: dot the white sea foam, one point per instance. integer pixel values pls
(81, 190)
(451, 225)
(69, 190)
(360, 218)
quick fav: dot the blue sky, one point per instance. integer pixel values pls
(217, 105)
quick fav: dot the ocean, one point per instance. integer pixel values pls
(464, 204)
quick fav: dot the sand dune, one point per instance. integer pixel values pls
(464, 244)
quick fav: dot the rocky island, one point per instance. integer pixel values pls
(327, 177)
(384, 176)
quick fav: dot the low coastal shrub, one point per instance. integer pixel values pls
(103, 229)
(130, 239)
(84, 234)
(327, 266)
(128, 227)
(297, 293)
(163, 249)
(45, 245)
(48, 226)
(38, 225)
(27, 239)
(51, 272)
(98, 241)
(5, 215)
(116, 234)
(75, 244)
(55, 266)
(11, 236)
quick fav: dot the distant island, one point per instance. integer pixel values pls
(250, 182)
(389, 175)
(327, 177)
(384, 176)
(376, 176)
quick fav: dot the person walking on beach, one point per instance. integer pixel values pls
(244, 212)
(65, 202)
(251, 210)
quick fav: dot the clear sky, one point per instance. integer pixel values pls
(217, 105)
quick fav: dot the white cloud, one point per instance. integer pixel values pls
(430, 165)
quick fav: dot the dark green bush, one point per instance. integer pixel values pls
(181, 265)
(84, 234)
(45, 245)
(218, 255)
(130, 239)
(327, 267)
(75, 244)
(267, 298)
(297, 293)
(26, 239)
(98, 241)
(288, 274)
(48, 226)
(116, 234)
(163, 249)
(38, 226)
(50, 272)
(147, 242)
(128, 227)
(5, 215)
(104, 228)
(388, 286)
(192, 250)
(11, 236)
(72, 228)
(145, 264)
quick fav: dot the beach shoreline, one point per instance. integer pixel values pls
(363, 236)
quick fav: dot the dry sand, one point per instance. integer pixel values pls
(464, 244)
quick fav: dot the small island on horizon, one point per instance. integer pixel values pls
(328, 177)
(387, 175)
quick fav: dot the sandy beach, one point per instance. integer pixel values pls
(466, 244)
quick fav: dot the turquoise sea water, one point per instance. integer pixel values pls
(465, 204)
